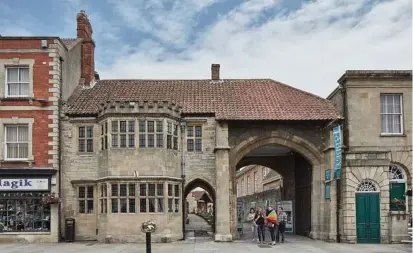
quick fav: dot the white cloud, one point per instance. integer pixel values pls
(169, 21)
(309, 49)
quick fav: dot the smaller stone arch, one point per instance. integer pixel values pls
(367, 185)
(198, 182)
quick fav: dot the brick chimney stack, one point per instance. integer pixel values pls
(84, 32)
(215, 72)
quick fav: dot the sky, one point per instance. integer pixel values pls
(306, 44)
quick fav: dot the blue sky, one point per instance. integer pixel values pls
(307, 44)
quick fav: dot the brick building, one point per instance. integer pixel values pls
(38, 74)
(256, 178)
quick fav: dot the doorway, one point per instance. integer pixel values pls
(367, 213)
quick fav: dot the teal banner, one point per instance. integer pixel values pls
(337, 150)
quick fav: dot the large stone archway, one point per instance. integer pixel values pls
(300, 146)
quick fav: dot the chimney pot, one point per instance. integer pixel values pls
(215, 71)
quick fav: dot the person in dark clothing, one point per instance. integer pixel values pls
(260, 222)
(282, 222)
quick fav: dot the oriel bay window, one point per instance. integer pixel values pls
(123, 134)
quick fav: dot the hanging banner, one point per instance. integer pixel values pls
(337, 151)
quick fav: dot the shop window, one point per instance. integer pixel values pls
(123, 133)
(398, 199)
(104, 136)
(17, 142)
(23, 212)
(103, 198)
(85, 139)
(85, 199)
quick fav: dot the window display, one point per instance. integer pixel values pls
(23, 212)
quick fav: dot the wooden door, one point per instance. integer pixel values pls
(368, 217)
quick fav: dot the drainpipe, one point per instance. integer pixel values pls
(59, 106)
(183, 126)
(345, 144)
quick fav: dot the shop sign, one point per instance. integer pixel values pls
(10, 184)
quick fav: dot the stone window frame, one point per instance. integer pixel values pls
(403, 180)
(192, 139)
(173, 197)
(15, 62)
(127, 198)
(103, 198)
(248, 185)
(145, 132)
(104, 135)
(401, 114)
(242, 187)
(86, 138)
(172, 134)
(85, 199)
(128, 133)
(16, 121)
(255, 182)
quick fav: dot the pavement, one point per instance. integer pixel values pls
(205, 244)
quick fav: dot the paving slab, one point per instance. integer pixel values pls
(293, 244)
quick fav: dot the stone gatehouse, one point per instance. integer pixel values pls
(133, 149)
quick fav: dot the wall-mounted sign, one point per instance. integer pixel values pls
(19, 184)
(337, 151)
(327, 193)
(328, 175)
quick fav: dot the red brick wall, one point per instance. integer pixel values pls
(40, 137)
(41, 87)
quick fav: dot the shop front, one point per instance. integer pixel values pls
(28, 206)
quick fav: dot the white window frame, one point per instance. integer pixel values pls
(18, 142)
(400, 95)
(18, 81)
(16, 121)
(15, 62)
(400, 181)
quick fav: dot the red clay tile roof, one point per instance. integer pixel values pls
(229, 99)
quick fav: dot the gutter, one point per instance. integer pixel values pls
(182, 125)
(59, 122)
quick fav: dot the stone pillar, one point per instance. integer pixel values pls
(223, 194)
(317, 203)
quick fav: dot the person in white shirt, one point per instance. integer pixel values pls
(251, 220)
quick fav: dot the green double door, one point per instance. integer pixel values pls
(368, 217)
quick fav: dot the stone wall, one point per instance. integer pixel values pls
(258, 200)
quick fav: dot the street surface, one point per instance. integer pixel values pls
(203, 243)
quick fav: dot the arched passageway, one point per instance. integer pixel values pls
(298, 162)
(202, 212)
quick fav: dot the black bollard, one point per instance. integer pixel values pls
(148, 242)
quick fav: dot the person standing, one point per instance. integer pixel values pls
(251, 220)
(272, 223)
(282, 223)
(260, 222)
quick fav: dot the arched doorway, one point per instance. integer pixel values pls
(299, 162)
(207, 213)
